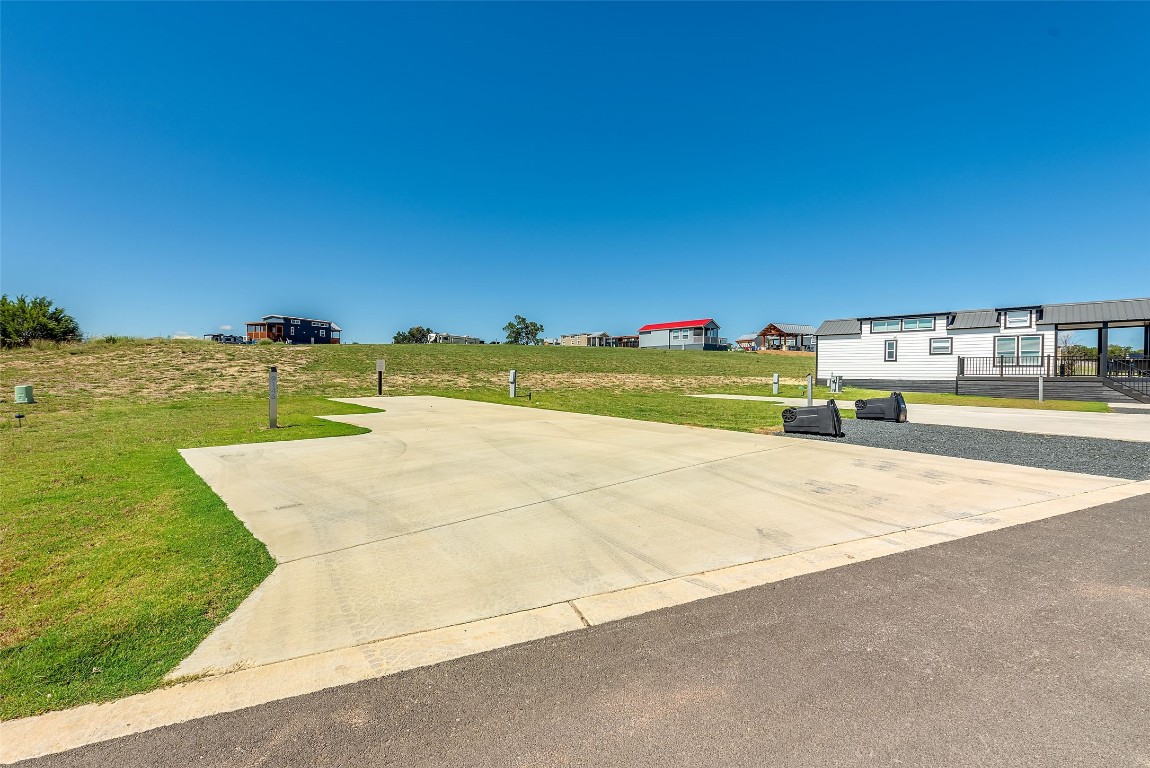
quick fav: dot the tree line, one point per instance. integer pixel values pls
(24, 320)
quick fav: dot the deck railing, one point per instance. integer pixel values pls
(1122, 369)
(1130, 372)
(1028, 365)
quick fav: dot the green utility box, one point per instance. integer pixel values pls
(24, 394)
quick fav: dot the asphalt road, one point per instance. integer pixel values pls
(1027, 646)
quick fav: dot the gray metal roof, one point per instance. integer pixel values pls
(1097, 311)
(266, 318)
(975, 318)
(839, 328)
(748, 337)
(804, 330)
(1115, 311)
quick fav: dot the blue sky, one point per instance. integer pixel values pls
(176, 167)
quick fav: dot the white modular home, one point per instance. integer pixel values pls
(682, 334)
(999, 352)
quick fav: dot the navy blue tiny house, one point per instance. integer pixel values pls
(294, 330)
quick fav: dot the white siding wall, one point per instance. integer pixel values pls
(861, 356)
(654, 338)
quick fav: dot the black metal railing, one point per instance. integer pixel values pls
(1130, 372)
(1122, 369)
(1028, 365)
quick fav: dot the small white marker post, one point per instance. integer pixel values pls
(1040, 398)
(273, 402)
(380, 367)
(775, 384)
(810, 389)
(511, 381)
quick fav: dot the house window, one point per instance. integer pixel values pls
(293, 331)
(1018, 318)
(294, 321)
(890, 354)
(1029, 350)
(1018, 350)
(322, 332)
(944, 346)
(885, 326)
(1005, 349)
(918, 324)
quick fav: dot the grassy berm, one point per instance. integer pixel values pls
(117, 560)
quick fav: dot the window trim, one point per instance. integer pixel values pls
(949, 345)
(1006, 323)
(295, 321)
(890, 351)
(890, 330)
(918, 320)
(1016, 359)
(322, 332)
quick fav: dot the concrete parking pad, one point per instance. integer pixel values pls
(456, 526)
(1107, 426)
(453, 511)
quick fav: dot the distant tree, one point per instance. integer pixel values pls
(1079, 350)
(416, 334)
(1118, 351)
(23, 321)
(523, 331)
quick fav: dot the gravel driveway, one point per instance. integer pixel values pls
(1092, 456)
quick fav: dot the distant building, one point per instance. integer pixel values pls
(452, 338)
(294, 330)
(623, 341)
(595, 339)
(683, 334)
(790, 336)
(225, 338)
(749, 342)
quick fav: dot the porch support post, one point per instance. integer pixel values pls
(1104, 349)
(1146, 342)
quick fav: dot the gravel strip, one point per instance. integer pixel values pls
(1139, 411)
(1089, 455)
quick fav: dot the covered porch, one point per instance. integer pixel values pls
(1107, 342)
(788, 336)
(272, 330)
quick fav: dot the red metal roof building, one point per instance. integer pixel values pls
(683, 334)
(679, 324)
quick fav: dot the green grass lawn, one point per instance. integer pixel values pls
(118, 558)
(666, 407)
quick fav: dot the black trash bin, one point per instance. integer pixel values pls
(891, 408)
(814, 420)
